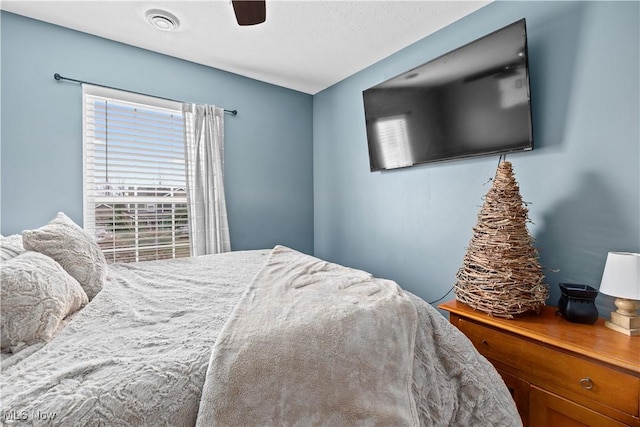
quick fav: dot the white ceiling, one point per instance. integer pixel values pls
(304, 45)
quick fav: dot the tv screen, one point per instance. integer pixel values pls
(472, 101)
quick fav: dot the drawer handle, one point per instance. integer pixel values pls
(586, 383)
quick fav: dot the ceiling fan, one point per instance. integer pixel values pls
(249, 12)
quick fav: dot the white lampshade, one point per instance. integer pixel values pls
(621, 277)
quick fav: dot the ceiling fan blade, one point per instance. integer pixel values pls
(249, 12)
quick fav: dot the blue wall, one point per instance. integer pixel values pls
(268, 146)
(297, 166)
(582, 180)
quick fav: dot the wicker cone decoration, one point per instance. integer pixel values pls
(500, 274)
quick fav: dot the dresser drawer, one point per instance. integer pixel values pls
(598, 382)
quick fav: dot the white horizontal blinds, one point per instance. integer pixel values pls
(135, 198)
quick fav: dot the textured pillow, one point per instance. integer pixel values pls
(36, 294)
(10, 247)
(73, 248)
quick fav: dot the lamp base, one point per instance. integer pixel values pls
(625, 320)
(627, 331)
(628, 322)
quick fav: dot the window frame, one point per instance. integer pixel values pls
(89, 94)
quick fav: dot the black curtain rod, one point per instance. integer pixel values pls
(59, 77)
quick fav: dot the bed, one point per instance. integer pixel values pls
(248, 338)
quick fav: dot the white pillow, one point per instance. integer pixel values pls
(10, 247)
(36, 294)
(73, 248)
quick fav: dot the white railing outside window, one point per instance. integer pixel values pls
(134, 175)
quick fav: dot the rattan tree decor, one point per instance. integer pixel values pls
(501, 274)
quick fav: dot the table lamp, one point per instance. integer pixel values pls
(621, 279)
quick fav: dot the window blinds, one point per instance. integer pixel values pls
(134, 175)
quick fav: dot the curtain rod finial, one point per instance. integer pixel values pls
(57, 76)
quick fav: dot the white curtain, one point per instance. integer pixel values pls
(204, 157)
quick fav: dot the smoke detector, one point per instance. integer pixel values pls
(162, 20)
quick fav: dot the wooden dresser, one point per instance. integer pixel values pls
(559, 373)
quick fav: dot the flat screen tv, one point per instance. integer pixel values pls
(473, 101)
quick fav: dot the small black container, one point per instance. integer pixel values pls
(577, 303)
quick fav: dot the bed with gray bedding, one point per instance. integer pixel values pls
(252, 338)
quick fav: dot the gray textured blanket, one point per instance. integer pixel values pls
(313, 343)
(137, 355)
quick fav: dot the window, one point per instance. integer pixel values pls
(134, 175)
